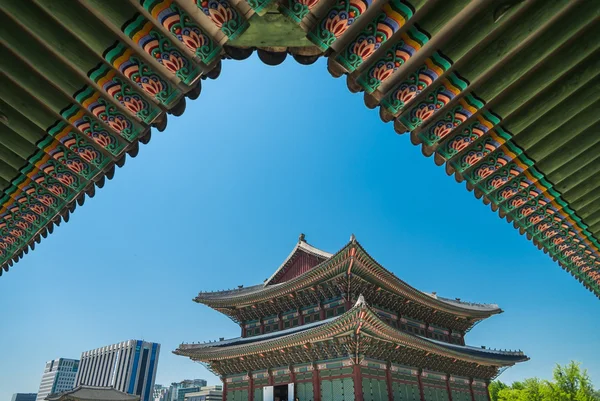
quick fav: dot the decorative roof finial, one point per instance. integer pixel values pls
(301, 238)
(352, 238)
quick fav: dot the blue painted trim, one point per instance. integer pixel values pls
(136, 361)
(150, 370)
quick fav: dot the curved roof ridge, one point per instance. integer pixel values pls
(465, 304)
(448, 301)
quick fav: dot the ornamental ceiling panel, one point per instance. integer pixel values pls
(503, 94)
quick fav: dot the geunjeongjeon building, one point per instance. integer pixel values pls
(340, 327)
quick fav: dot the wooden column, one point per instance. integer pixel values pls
(487, 390)
(244, 334)
(280, 321)
(293, 379)
(471, 388)
(388, 379)
(427, 332)
(448, 387)
(250, 387)
(300, 317)
(224, 380)
(316, 383)
(357, 377)
(262, 326)
(421, 392)
(321, 311)
(271, 379)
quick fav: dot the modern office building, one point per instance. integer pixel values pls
(129, 366)
(24, 397)
(59, 375)
(160, 392)
(194, 384)
(207, 393)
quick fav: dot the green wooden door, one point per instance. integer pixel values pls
(406, 392)
(374, 389)
(337, 390)
(304, 392)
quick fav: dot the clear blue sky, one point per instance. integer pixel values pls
(219, 199)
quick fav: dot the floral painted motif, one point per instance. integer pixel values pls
(69, 158)
(296, 10)
(181, 26)
(408, 44)
(416, 82)
(436, 100)
(339, 18)
(109, 114)
(392, 17)
(142, 31)
(224, 16)
(122, 92)
(467, 136)
(510, 171)
(123, 59)
(92, 129)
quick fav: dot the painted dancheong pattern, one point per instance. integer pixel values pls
(337, 21)
(441, 128)
(180, 25)
(79, 146)
(138, 72)
(504, 175)
(487, 166)
(296, 10)
(259, 5)
(392, 17)
(416, 82)
(382, 69)
(123, 93)
(467, 136)
(435, 101)
(149, 39)
(519, 191)
(108, 113)
(92, 129)
(477, 151)
(224, 16)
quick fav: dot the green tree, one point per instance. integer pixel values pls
(570, 383)
(495, 388)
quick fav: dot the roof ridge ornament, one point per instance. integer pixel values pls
(301, 238)
(352, 238)
(361, 301)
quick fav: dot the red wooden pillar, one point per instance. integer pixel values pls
(421, 391)
(427, 332)
(357, 377)
(448, 388)
(271, 379)
(224, 380)
(250, 387)
(262, 326)
(280, 321)
(293, 379)
(487, 390)
(244, 334)
(388, 379)
(316, 383)
(321, 311)
(471, 388)
(300, 317)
